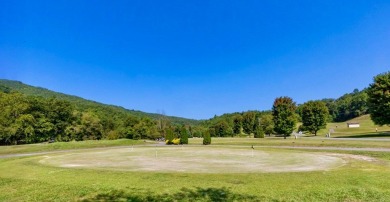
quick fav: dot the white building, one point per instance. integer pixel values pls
(353, 125)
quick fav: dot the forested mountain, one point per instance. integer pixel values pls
(30, 115)
(82, 104)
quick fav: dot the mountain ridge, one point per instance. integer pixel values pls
(80, 103)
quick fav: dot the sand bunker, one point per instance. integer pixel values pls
(195, 160)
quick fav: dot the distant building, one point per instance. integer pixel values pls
(353, 125)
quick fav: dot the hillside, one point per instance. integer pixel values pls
(367, 129)
(83, 104)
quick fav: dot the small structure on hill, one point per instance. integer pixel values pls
(353, 125)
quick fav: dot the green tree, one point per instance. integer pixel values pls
(206, 137)
(169, 135)
(92, 129)
(222, 129)
(248, 122)
(314, 116)
(379, 99)
(298, 111)
(183, 135)
(16, 122)
(350, 105)
(146, 128)
(259, 133)
(237, 124)
(140, 131)
(359, 103)
(267, 124)
(284, 117)
(332, 108)
(60, 114)
(258, 130)
(212, 132)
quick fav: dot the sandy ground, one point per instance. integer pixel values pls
(196, 160)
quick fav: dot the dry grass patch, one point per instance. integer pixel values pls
(195, 160)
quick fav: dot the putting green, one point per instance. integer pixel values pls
(191, 159)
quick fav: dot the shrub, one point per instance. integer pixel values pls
(183, 136)
(206, 138)
(112, 135)
(136, 136)
(170, 136)
(259, 133)
(176, 141)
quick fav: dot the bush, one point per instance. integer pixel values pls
(259, 133)
(206, 138)
(136, 136)
(170, 136)
(176, 141)
(183, 136)
(112, 135)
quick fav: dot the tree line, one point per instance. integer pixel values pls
(313, 115)
(286, 113)
(32, 119)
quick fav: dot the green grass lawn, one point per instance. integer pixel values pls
(290, 141)
(25, 179)
(365, 176)
(44, 147)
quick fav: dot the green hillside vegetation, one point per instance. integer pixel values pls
(346, 107)
(32, 115)
(82, 104)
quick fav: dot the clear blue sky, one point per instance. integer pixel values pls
(197, 58)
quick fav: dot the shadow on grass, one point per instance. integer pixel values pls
(185, 194)
(368, 135)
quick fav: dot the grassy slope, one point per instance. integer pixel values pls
(81, 103)
(366, 129)
(302, 142)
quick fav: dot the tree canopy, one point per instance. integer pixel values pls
(314, 116)
(379, 99)
(284, 117)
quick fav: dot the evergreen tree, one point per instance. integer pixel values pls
(267, 124)
(237, 124)
(169, 135)
(248, 122)
(257, 129)
(183, 135)
(206, 137)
